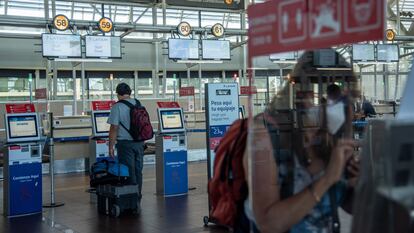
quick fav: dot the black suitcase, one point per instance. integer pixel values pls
(114, 200)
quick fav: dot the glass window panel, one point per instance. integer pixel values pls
(12, 88)
(65, 88)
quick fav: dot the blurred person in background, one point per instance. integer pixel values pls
(301, 171)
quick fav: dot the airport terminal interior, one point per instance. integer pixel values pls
(253, 116)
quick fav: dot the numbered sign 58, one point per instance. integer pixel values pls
(184, 29)
(61, 22)
(105, 24)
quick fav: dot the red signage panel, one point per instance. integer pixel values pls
(186, 91)
(40, 93)
(102, 105)
(20, 108)
(168, 105)
(278, 26)
(248, 90)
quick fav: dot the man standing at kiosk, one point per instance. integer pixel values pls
(130, 152)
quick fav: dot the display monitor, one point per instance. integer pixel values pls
(388, 53)
(363, 52)
(288, 56)
(100, 125)
(22, 127)
(183, 49)
(325, 58)
(61, 45)
(216, 49)
(171, 120)
(103, 46)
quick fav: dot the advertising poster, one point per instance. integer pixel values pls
(222, 109)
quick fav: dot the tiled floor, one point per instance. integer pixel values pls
(174, 214)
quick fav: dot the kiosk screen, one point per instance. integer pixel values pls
(22, 126)
(101, 125)
(171, 119)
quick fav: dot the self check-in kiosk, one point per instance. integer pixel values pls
(100, 136)
(171, 153)
(22, 165)
(99, 141)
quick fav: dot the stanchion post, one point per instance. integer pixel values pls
(52, 167)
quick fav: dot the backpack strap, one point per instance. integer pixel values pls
(127, 103)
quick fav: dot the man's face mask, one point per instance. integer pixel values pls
(335, 115)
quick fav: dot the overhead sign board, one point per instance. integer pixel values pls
(219, 4)
(278, 26)
(103, 46)
(222, 109)
(61, 45)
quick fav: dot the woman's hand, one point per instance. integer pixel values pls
(339, 159)
(353, 171)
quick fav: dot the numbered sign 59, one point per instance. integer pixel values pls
(105, 24)
(184, 29)
(61, 22)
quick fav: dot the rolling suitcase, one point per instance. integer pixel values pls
(113, 200)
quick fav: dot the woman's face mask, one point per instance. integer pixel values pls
(335, 115)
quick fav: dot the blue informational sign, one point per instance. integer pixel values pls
(175, 173)
(25, 190)
(222, 109)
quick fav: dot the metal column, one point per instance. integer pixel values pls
(83, 88)
(386, 82)
(75, 93)
(155, 77)
(135, 84)
(200, 86)
(164, 68)
(37, 79)
(55, 77)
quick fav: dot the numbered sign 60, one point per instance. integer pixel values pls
(184, 29)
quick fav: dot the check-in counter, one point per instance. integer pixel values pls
(71, 135)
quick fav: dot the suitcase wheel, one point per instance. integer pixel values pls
(115, 210)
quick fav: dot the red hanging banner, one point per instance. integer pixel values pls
(278, 26)
(40, 93)
(248, 90)
(102, 105)
(20, 108)
(186, 91)
(168, 105)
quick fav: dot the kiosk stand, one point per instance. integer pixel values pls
(22, 186)
(100, 131)
(100, 137)
(171, 153)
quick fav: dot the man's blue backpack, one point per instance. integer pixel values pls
(108, 172)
